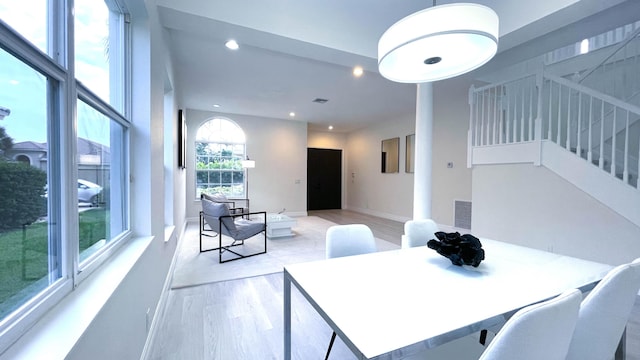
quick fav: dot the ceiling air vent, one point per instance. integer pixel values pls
(319, 100)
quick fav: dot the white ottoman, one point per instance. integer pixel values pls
(279, 225)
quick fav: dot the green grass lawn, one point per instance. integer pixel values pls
(24, 257)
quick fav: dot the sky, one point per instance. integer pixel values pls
(23, 89)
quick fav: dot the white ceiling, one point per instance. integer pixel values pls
(294, 51)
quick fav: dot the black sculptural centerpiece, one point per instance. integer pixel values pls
(460, 249)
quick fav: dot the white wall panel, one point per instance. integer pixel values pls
(532, 206)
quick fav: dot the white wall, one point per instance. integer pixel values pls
(279, 148)
(391, 195)
(326, 140)
(532, 206)
(370, 191)
(450, 127)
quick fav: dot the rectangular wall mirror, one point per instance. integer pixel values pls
(390, 155)
(410, 151)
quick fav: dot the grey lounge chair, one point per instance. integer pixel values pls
(216, 220)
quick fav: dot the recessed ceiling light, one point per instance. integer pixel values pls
(330, 127)
(232, 44)
(358, 71)
(216, 105)
(292, 114)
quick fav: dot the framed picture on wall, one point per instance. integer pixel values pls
(182, 140)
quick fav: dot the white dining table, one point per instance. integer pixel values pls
(390, 304)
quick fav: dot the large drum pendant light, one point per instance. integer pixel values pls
(439, 42)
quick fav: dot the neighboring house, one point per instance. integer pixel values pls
(93, 158)
(30, 152)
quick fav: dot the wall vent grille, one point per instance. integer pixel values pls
(462, 214)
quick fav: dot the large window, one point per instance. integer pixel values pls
(219, 151)
(25, 241)
(63, 151)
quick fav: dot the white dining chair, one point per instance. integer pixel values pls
(604, 314)
(348, 240)
(539, 331)
(418, 232)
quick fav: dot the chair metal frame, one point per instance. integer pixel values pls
(221, 249)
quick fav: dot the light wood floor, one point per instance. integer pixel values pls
(243, 319)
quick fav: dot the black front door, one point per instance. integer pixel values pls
(324, 179)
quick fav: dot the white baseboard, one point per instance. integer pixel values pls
(161, 307)
(379, 214)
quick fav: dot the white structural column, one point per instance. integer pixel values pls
(423, 155)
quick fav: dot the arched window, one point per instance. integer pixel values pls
(220, 149)
(23, 158)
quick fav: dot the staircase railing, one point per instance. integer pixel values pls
(505, 112)
(618, 73)
(598, 127)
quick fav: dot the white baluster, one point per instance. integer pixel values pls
(568, 141)
(613, 141)
(507, 132)
(625, 171)
(601, 159)
(538, 124)
(501, 119)
(495, 115)
(514, 136)
(579, 125)
(522, 83)
(531, 91)
(470, 135)
(487, 123)
(482, 120)
(549, 133)
(485, 111)
(559, 114)
(589, 152)
(477, 120)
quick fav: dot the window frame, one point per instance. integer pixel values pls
(63, 92)
(21, 319)
(85, 268)
(243, 195)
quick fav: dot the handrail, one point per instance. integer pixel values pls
(595, 93)
(504, 82)
(618, 47)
